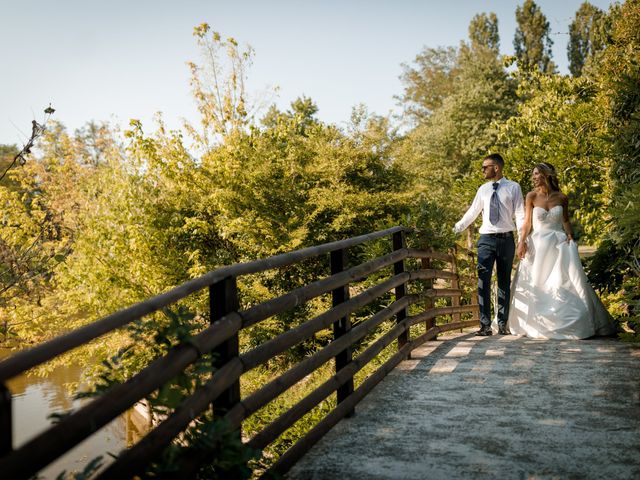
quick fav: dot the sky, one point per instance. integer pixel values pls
(116, 60)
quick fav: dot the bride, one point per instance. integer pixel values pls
(551, 295)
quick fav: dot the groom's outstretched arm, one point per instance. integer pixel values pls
(471, 215)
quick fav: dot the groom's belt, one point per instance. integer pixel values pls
(499, 235)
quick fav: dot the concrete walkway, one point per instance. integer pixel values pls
(493, 407)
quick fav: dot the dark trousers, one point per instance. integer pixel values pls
(498, 249)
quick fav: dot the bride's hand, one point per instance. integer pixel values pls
(521, 250)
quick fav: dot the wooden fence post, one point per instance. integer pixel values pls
(428, 302)
(399, 242)
(455, 284)
(223, 299)
(339, 262)
(6, 421)
(473, 267)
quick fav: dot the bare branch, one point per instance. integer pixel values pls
(36, 130)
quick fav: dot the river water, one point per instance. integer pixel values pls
(35, 398)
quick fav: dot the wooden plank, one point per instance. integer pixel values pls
(302, 294)
(415, 253)
(430, 274)
(29, 358)
(436, 312)
(282, 342)
(96, 414)
(435, 330)
(257, 400)
(441, 292)
(271, 390)
(53, 442)
(133, 460)
(284, 421)
(473, 265)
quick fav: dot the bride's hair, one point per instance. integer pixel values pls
(549, 172)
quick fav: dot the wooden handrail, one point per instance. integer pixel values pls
(24, 360)
(223, 388)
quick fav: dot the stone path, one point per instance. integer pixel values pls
(493, 407)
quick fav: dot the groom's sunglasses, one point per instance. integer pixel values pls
(484, 167)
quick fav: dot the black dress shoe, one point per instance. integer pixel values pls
(503, 330)
(485, 331)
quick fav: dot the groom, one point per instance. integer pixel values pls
(499, 200)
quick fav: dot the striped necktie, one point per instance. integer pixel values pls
(494, 206)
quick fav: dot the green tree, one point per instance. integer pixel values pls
(558, 122)
(483, 32)
(585, 37)
(440, 151)
(41, 200)
(532, 43)
(219, 86)
(428, 82)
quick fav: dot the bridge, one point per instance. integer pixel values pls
(453, 407)
(493, 407)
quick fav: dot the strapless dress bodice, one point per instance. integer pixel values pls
(547, 219)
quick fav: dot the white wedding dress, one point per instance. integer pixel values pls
(550, 295)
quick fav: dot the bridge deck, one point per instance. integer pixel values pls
(493, 407)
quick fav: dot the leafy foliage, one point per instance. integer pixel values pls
(428, 82)
(532, 43)
(557, 122)
(98, 222)
(586, 37)
(618, 77)
(442, 150)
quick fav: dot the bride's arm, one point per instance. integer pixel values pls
(566, 223)
(526, 225)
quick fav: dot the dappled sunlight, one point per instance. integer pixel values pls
(444, 366)
(477, 339)
(494, 353)
(407, 365)
(424, 350)
(605, 349)
(572, 350)
(459, 351)
(554, 422)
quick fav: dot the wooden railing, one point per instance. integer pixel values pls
(222, 336)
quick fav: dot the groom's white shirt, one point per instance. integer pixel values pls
(511, 206)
